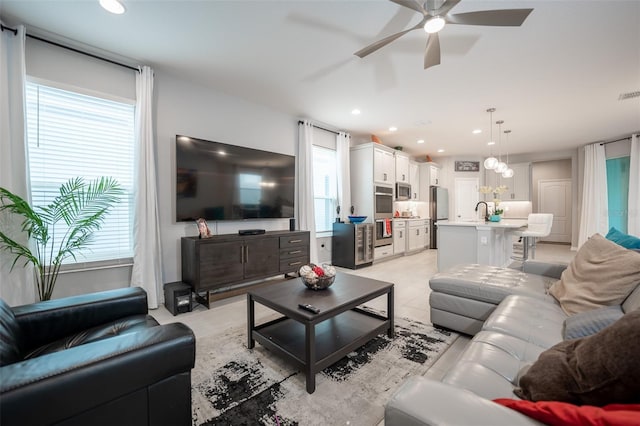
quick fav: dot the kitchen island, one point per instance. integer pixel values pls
(486, 243)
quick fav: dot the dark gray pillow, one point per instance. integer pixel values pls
(590, 322)
(600, 369)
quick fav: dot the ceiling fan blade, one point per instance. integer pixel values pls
(411, 4)
(383, 42)
(499, 18)
(446, 7)
(432, 51)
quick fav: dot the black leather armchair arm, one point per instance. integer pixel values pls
(57, 386)
(43, 322)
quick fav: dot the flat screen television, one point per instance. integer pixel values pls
(218, 181)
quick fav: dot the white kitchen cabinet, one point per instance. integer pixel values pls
(429, 176)
(434, 175)
(520, 188)
(383, 165)
(427, 229)
(382, 252)
(416, 235)
(518, 185)
(372, 165)
(402, 167)
(399, 236)
(414, 180)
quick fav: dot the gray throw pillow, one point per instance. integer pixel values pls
(590, 322)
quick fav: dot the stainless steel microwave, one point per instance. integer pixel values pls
(403, 191)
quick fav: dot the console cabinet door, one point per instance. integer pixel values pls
(261, 257)
(220, 264)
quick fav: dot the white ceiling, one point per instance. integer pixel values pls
(555, 81)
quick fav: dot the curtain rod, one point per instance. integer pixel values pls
(617, 140)
(321, 128)
(13, 30)
(82, 52)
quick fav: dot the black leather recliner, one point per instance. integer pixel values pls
(95, 359)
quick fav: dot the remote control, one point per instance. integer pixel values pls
(309, 308)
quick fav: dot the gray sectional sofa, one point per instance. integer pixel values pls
(514, 320)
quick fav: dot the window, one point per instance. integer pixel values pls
(325, 187)
(71, 134)
(618, 192)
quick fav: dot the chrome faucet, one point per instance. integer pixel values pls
(486, 210)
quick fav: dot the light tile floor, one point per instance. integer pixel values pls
(410, 274)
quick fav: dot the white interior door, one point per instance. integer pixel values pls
(466, 198)
(554, 196)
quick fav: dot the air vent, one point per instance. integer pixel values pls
(629, 95)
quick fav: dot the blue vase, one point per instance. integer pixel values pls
(494, 218)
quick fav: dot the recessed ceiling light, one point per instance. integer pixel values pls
(393, 128)
(441, 150)
(491, 143)
(355, 111)
(477, 131)
(420, 140)
(113, 6)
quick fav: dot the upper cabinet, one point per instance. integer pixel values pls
(518, 185)
(383, 166)
(414, 180)
(429, 176)
(402, 167)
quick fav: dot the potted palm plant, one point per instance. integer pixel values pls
(60, 229)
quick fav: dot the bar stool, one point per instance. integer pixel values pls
(538, 226)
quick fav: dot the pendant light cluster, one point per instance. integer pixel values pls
(493, 163)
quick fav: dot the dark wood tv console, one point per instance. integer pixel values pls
(222, 264)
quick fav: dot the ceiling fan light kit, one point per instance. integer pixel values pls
(434, 19)
(434, 24)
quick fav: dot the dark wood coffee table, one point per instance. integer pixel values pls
(315, 341)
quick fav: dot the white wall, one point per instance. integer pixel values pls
(192, 110)
(180, 108)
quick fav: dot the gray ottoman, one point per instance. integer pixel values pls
(463, 296)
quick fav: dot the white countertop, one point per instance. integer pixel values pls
(410, 218)
(504, 223)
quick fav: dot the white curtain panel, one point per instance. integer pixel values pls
(344, 178)
(147, 253)
(305, 202)
(16, 286)
(594, 216)
(633, 226)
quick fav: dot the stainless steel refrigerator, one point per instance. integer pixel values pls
(439, 210)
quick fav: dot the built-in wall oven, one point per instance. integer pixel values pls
(383, 215)
(383, 200)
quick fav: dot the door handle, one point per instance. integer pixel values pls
(247, 256)
(294, 241)
(295, 252)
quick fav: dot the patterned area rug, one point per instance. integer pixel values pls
(232, 385)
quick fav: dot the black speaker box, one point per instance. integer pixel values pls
(292, 224)
(177, 297)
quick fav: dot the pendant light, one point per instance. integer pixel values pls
(491, 162)
(500, 167)
(509, 172)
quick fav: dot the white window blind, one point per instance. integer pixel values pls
(74, 135)
(325, 187)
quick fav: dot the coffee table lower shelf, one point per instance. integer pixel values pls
(324, 343)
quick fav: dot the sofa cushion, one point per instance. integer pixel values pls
(596, 370)
(562, 414)
(602, 273)
(590, 322)
(625, 240)
(117, 327)
(10, 350)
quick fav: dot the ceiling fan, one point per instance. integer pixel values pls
(435, 14)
